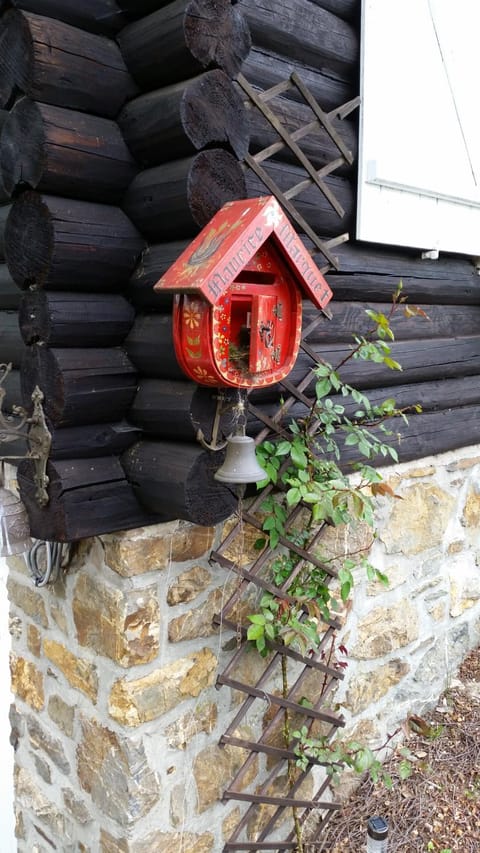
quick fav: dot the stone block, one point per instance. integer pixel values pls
(260, 816)
(27, 682)
(15, 627)
(463, 464)
(471, 513)
(202, 718)
(40, 739)
(418, 522)
(197, 622)
(386, 629)
(62, 714)
(76, 807)
(109, 844)
(17, 725)
(159, 842)
(122, 625)
(188, 585)
(150, 549)
(29, 796)
(43, 769)
(457, 645)
(215, 767)
(140, 700)
(464, 587)
(241, 549)
(115, 772)
(230, 822)
(336, 543)
(80, 674)
(59, 616)
(430, 668)
(367, 688)
(29, 600)
(34, 640)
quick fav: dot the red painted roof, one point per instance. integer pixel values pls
(227, 244)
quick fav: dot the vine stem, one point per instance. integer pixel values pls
(290, 764)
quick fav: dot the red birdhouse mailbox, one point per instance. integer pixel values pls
(238, 307)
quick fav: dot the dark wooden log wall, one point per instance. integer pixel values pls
(78, 125)
(70, 249)
(113, 175)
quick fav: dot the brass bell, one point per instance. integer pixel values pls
(240, 464)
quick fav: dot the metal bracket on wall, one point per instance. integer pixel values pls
(30, 428)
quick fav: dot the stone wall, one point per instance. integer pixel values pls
(117, 719)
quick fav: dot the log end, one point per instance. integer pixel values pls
(16, 51)
(176, 481)
(215, 178)
(22, 148)
(29, 240)
(217, 34)
(213, 113)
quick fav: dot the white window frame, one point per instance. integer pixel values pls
(419, 152)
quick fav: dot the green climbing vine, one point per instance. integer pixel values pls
(307, 468)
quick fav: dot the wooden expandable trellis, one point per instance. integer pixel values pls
(267, 699)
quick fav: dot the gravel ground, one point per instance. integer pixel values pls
(438, 807)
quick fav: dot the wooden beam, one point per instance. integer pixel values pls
(305, 32)
(264, 70)
(183, 38)
(80, 386)
(92, 440)
(64, 152)
(434, 321)
(10, 295)
(96, 16)
(61, 319)
(178, 198)
(154, 262)
(4, 211)
(150, 346)
(52, 62)
(311, 203)
(55, 243)
(346, 9)
(444, 289)
(178, 410)
(177, 120)
(12, 347)
(87, 497)
(176, 481)
(421, 360)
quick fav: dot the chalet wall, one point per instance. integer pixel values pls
(133, 162)
(117, 719)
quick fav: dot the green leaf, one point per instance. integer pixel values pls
(257, 618)
(405, 769)
(322, 388)
(298, 455)
(363, 760)
(293, 497)
(255, 632)
(274, 538)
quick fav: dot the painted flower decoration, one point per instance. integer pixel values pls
(192, 317)
(273, 214)
(203, 375)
